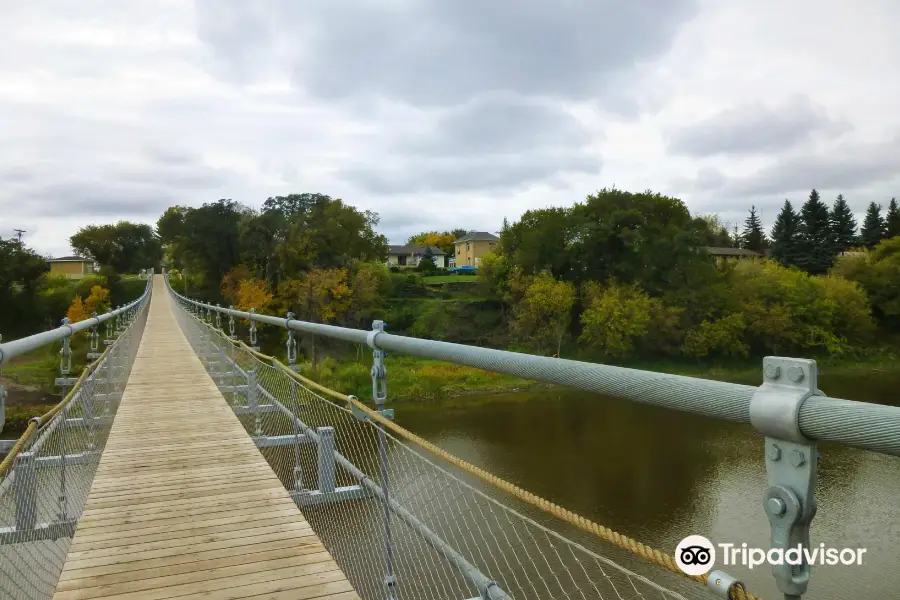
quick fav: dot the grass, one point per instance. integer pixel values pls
(36, 369)
(413, 379)
(433, 279)
(422, 381)
(17, 417)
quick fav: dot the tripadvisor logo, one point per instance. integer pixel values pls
(696, 555)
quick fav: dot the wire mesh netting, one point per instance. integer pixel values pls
(399, 523)
(44, 493)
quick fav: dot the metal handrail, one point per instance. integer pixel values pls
(10, 350)
(861, 425)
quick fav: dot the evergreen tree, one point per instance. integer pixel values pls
(753, 236)
(843, 225)
(892, 221)
(815, 252)
(735, 237)
(785, 235)
(873, 227)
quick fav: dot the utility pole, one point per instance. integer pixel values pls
(19, 232)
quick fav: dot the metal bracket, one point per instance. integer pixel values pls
(291, 343)
(387, 413)
(721, 583)
(231, 323)
(65, 353)
(791, 462)
(379, 372)
(218, 317)
(253, 331)
(95, 336)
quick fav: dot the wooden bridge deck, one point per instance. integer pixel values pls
(183, 504)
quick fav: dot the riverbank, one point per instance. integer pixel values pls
(415, 380)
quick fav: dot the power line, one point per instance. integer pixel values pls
(19, 232)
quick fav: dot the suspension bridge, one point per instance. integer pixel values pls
(184, 463)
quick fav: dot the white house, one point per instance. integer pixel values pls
(409, 256)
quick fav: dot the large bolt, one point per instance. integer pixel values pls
(774, 452)
(797, 458)
(772, 371)
(776, 506)
(795, 374)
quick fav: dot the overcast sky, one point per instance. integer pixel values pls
(440, 114)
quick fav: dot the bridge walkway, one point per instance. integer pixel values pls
(183, 504)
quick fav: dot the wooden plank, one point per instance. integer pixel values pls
(183, 503)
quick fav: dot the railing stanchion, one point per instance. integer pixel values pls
(298, 467)
(2, 393)
(379, 395)
(25, 491)
(326, 459)
(253, 400)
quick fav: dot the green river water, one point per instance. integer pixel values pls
(658, 475)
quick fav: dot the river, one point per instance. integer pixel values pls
(659, 475)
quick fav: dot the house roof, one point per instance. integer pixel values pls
(730, 251)
(71, 259)
(477, 236)
(414, 250)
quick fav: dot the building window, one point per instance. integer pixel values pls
(467, 246)
(457, 249)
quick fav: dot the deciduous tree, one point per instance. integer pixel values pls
(98, 301)
(319, 296)
(126, 247)
(543, 315)
(617, 317)
(252, 294)
(77, 311)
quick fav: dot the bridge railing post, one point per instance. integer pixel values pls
(253, 400)
(326, 459)
(791, 463)
(2, 395)
(25, 491)
(379, 395)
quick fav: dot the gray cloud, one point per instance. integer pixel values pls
(486, 79)
(91, 199)
(495, 125)
(861, 172)
(434, 52)
(847, 167)
(488, 144)
(756, 128)
(467, 175)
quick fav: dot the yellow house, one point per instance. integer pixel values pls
(73, 267)
(469, 249)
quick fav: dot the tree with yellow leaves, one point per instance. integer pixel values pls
(98, 302)
(251, 293)
(543, 314)
(77, 311)
(320, 296)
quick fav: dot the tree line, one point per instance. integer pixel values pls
(623, 275)
(617, 276)
(33, 299)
